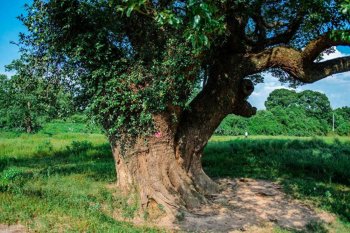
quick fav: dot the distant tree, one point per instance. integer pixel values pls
(343, 128)
(315, 104)
(27, 100)
(281, 98)
(344, 112)
(296, 122)
(265, 123)
(342, 121)
(287, 112)
(233, 125)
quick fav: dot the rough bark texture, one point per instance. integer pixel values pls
(165, 169)
(152, 168)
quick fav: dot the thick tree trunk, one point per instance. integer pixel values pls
(29, 125)
(154, 170)
(225, 93)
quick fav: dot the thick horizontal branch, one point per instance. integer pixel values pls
(316, 47)
(300, 64)
(330, 67)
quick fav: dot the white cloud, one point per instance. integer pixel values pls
(263, 90)
(336, 54)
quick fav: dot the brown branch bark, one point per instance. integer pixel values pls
(317, 46)
(301, 64)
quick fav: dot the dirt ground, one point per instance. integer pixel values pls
(247, 205)
(244, 205)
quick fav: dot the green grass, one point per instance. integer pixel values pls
(59, 183)
(57, 180)
(327, 139)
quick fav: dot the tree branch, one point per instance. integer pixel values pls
(327, 68)
(282, 38)
(317, 46)
(300, 64)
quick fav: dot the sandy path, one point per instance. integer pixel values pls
(246, 204)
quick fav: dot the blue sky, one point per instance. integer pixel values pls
(336, 87)
(10, 27)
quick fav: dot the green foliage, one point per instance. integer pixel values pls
(345, 5)
(200, 21)
(132, 59)
(281, 98)
(27, 101)
(307, 113)
(127, 74)
(342, 123)
(315, 104)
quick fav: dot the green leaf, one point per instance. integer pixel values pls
(130, 9)
(196, 21)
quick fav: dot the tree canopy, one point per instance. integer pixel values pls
(315, 104)
(134, 58)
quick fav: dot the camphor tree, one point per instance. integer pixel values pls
(139, 62)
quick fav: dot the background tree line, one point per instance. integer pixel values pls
(307, 113)
(28, 101)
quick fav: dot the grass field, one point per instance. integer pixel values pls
(56, 181)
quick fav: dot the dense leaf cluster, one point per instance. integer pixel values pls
(127, 67)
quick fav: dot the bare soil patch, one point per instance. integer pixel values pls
(12, 228)
(246, 205)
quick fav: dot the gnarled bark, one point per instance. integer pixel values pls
(151, 168)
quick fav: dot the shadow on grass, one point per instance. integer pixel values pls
(310, 169)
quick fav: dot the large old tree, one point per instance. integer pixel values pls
(161, 75)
